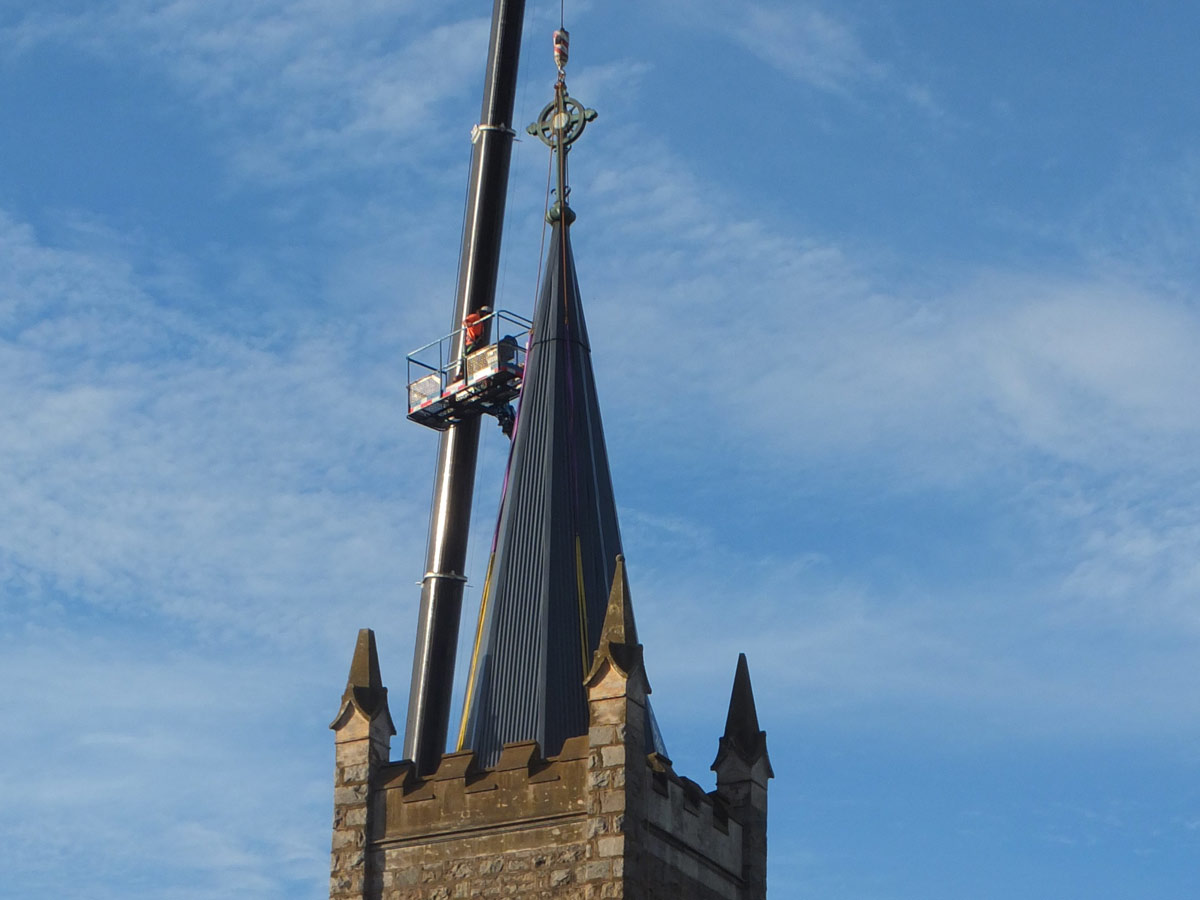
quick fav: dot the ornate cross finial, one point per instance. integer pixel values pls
(562, 120)
(560, 124)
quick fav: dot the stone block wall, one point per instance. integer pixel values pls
(691, 847)
(602, 820)
(518, 829)
(538, 862)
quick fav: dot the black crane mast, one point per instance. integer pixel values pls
(454, 485)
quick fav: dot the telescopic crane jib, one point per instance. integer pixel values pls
(454, 485)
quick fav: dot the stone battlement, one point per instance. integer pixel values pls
(688, 824)
(604, 818)
(522, 788)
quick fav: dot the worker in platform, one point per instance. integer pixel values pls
(473, 329)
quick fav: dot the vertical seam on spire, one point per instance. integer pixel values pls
(582, 597)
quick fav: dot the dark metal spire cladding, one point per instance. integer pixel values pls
(557, 542)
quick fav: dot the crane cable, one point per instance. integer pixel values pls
(562, 42)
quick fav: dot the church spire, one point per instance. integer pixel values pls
(544, 598)
(551, 571)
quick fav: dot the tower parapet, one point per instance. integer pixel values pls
(607, 816)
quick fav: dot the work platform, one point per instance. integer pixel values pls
(444, 389)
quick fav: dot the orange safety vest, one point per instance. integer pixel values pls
(473, 326)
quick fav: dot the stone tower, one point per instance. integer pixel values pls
(605, 817)
(560, 785)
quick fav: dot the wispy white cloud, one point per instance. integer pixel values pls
(154, 462)
(1057, 404)
(1009, 663)
(1080, 367)
(162, 755)
(805, 42)
(802, 40)
(1146, 222)
(290, 89)
(812, 43)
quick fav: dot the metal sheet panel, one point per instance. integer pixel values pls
(557, 541)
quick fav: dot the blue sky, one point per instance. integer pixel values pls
(893, 309)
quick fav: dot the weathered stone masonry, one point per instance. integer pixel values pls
(602, 819)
